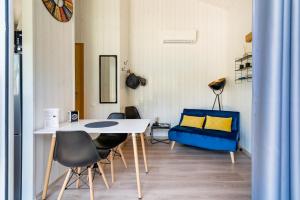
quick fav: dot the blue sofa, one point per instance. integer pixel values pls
(208, 139)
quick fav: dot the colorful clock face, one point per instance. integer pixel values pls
(61, 10)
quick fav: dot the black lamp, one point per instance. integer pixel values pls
(217, 87)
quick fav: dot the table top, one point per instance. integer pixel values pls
(161, 126)
(123, 126)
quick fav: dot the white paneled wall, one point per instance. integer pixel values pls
(98, 27)
(177, 74)
(124, 50)
(239, 95)
(53, 80)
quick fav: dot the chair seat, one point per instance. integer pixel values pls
(103, 153)
(109, 141)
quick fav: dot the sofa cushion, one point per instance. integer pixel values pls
(211, 133)
(218, 123)
(192, 121)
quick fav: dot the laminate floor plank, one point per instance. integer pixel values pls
(186, 173)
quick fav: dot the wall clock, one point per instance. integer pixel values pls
(61, 10)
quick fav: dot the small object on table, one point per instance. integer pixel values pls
(73, 116)
(51, 118)
(157, 125)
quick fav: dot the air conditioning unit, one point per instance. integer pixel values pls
(186, 36)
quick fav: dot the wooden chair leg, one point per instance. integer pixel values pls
(112, 167)
(64, 185)
(232, 157)
(122, 156)
(103, 174)
(172, 145)
(91, 183)
(78, 181)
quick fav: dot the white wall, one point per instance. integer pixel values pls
(239, 95)
(53, 80)
(17, 9)
(98, 27)
(124, 50)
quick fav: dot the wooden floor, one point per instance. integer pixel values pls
(181, 174)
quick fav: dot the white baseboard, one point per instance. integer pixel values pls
(247, 153)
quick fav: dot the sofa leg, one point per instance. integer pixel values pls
(232, 157)
(172, 145)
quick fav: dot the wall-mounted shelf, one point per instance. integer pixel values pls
(246, 57)
(243, 69)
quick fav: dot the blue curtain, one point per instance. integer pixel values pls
(276, 100)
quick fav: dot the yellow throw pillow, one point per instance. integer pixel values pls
(218, 123)
(192, 121)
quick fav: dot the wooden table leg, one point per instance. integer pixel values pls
(136, 162)
(144, 152)
(49, 166)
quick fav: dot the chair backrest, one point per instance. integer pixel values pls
(75, 149)
(116, 116)
(215, 113)
(131, 112)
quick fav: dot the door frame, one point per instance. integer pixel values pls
(3, 98)
(28, 147)
(6, 92)
(81, 115)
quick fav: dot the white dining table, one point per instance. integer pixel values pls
(132, 126)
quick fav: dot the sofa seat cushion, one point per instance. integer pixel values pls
(203, 141)
(210, 133)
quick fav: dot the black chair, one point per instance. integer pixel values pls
(75, 149)
(112, 141)
(131, 112)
